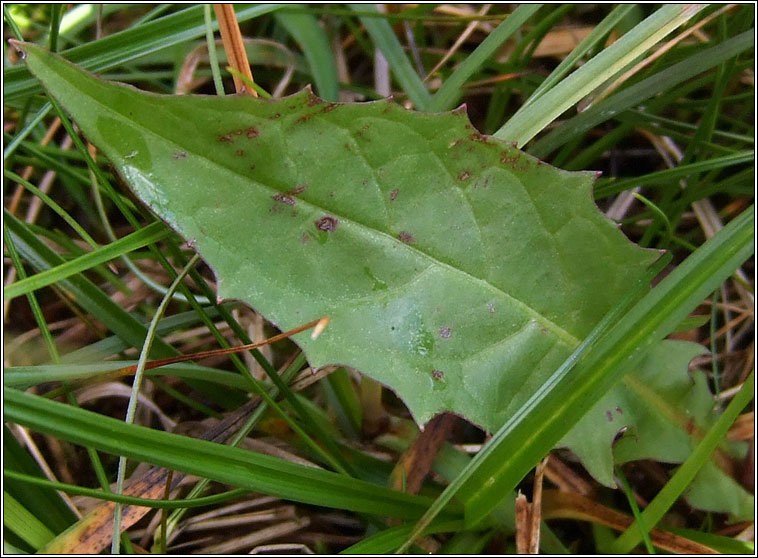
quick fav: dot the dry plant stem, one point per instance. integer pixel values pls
(562, 505)
(51, 131)
(128, 370)
(528, 516)
(461, 39)
(417, 460)
(235, 48)
(565, 478)
(535, 512)
(522, 524)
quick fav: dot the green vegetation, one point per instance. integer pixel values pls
(567, 354)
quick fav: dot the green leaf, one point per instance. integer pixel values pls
(659, 408)
(653, 406)
(455, 269)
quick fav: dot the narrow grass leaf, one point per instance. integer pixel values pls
(147, 235)
(633, 95)
(130, 44)
(23, 523)
(533, 118)
(450, 92)
(674, 488)
(233, 466)
(386, 41)
(305, 29)
(129, 500)
(598, 32)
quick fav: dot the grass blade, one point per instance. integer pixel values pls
(233, 466)
(129, 44)
(533, 118)
(386, 41)
(684, 474)
(152, 233)
(305, 29)
(450, 92)
(523, 441)
(645, 89)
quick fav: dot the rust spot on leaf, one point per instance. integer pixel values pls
(393, 194)
(298, 190)
(330, 107)
(327, 224)
(479, 138)
(282, 198)
(690, 426)
(507, 159)
(313, 100)
(303, 119)
(406, 237)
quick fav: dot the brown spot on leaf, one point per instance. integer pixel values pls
(298, 190)
(239, 152)
(313, 100)
(327, 224)
(507, 159)
(225, 138)
(305, 238)
(406, 237)
(465, 175)
(393, 194)
(609, 416)
(446, 332)
(252, 167)
(179, 155)
(282, 198)
(274, 116)
(237, 132)
(438, 374)
(251, 133)
(330, 107)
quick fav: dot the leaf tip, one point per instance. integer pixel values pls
(20, 47)
(462, 109)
